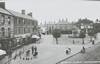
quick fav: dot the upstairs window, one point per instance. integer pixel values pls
(3, 19)
(9, 18)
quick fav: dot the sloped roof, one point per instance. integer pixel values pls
(4, 11)
(20, 15)
(62, 22)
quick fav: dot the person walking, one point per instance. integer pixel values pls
(83, 50)
(35, 52)
(40, 35)
(27, 53)
(73, 42)
(35, 48)
(69, 49)
(32, 49)
(93, 41)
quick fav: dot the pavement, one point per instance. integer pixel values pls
(48, 51)
(81, 57)
(91, 56)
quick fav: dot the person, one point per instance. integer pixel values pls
(15, 56)
(93, 41)
(32, 49)
(35, 48)
(67, 52)
(35, 51)
(40, 35)
(27, 53)
(69, 49)
(83, 50)
(73, 42)
(35, 54)
(83, 41)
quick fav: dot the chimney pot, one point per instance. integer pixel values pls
(23, 12)
(2, 5)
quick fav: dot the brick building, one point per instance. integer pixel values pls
(14, 23)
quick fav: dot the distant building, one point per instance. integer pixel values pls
(13, 23)
(63, 25)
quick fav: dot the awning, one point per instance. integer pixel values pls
(35, 36)
(2, 52)
(23, 36)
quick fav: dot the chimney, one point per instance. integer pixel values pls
(30, 14)
(2, 5)
(23, 12)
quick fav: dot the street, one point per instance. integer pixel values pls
(49, 32)
(92, 55)
(48, 51)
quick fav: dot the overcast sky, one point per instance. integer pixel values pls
(50, 10)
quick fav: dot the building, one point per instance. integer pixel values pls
(63, 25)
(14, 23)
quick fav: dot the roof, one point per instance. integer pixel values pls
(62, 22)
(4, 11)
(13, 13)
(20, 15)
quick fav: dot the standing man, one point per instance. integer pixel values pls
(35, 51)
(93, 41)
(32, 50)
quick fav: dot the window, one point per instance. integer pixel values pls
(3, 19)
(32, 22)
(3, 31)
(23, 21)
(19, 21)
(24, 31)
(15, 20)
(9, 32)
(9, 18)
(17, 30)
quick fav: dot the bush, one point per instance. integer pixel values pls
(82, 35)
(66, 32)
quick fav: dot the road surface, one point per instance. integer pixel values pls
(49, 51)
(92, 56)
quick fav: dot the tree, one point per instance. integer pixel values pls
(84, 22)
(96, 27)
(56, 34)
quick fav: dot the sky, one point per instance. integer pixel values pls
(53, 10)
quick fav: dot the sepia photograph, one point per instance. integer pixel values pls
(49, 31)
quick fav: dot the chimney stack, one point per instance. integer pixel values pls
(30, 14)
(23, 12)
(2, 5)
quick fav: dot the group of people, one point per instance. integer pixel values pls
(83, 50)
(28, 52)
(68, 51)
(34, 51)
